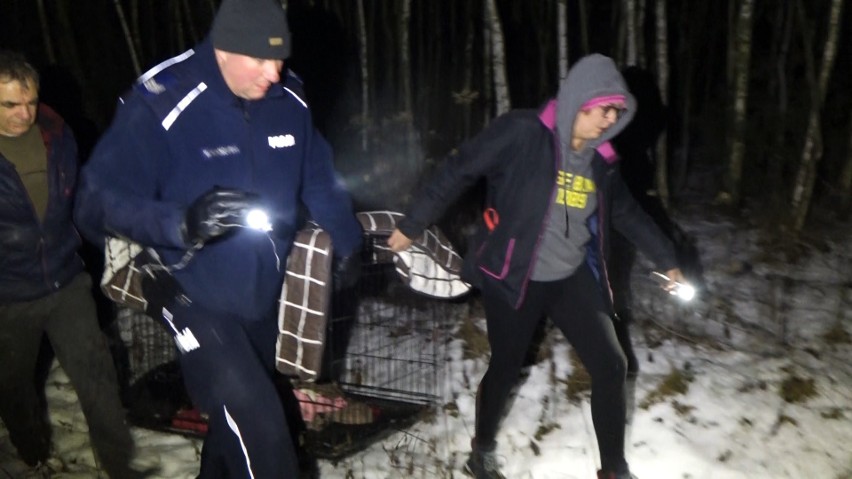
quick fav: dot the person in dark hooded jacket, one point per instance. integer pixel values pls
(553, 192)
(200, 141)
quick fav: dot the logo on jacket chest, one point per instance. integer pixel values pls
(573, 190)
(220, 151)
(281, 141)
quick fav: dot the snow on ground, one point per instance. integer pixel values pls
(762, 359)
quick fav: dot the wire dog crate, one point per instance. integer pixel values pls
(150, 377)
(385, 340)
(381, 369)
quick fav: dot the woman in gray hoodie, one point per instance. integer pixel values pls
(553, 193)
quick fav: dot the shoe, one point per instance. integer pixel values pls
(615, 475)
(483, 464)
(630, 396)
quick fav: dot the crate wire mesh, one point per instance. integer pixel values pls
(384, 352)
(382, 360)
(149, 375)
(393, 348)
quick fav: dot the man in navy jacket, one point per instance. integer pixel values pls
(199, 140)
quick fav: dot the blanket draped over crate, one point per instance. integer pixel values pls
(430, 266)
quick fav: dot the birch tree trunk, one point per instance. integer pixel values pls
(405, 78)
(661, 163)
(687, 61)
(779, 156)
(584, 26)
(428, 52)
(631, 31)
(45, 32)
(404, 57)
(641, 56)
(731, 65)
(145, 50)
(562, 36)
(467, 95)
(498, 59)
(385, 14)
(134, 58)
(742, 62)
(487, 74)
(135, 34)
(365, 75)
(812, 150)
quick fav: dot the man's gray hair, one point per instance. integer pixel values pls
(15, 67)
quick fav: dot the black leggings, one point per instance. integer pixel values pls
(576, 307)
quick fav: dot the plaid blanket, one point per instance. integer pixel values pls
(430, 266)
(303, 305)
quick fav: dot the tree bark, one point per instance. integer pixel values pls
(134, 57)
(487, 72)
(45, 32)
(405, 57)
(631, 32)
(365, 75)
(498, 59)
(779, 156)
(584, 26)
(562, 36)
(465, 97)
(686, 59)
(405, 79)
(812, 150)
(661, 163)
(178, 38)
(641, 48)
(136, 35)
(742, 62)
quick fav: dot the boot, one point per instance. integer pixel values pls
(483, 464)
(615, 475)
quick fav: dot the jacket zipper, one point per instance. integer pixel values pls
(551, 201)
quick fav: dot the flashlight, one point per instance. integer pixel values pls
(682, 290)
(257, 219)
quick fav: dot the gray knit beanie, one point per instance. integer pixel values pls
(256, 28)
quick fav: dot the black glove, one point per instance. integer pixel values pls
(215, 213)
(160, 289)
(347, 271)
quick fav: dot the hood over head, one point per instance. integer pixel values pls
(593, 80)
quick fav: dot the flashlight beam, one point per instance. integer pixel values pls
(683, 291)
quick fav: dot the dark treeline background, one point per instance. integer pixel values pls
(746, 101)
